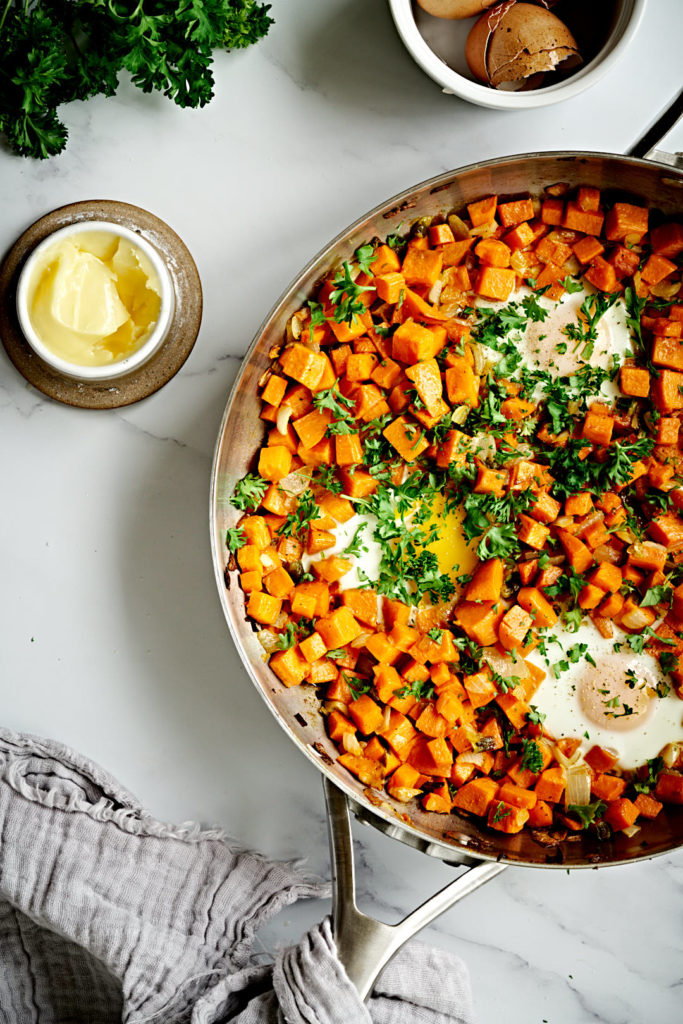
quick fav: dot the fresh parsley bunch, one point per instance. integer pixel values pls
(55, 51)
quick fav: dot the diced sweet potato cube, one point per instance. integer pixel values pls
(462, 384)
(302, 364)
(515, 212)
(577, 219)
(537, 605)
(338, 628)
(480, 687)
(476, 796)
(667, 240)
(657, 268)
(518, 797)
(483, 211)
(487, 582)
(274, 389)
(532, 533)
(406, 437)
(625, 219)
(586, 249)
(289, 666)
(313, 647)
(478, 621)
(514, 626)
(647, 806)
(507, 818)
(413, 343)
(274, 463)
(421, 267)
(607, 787)
(263, 608)
(669, 788)
(550, 785)
(366, 714)
(495, 283)
(634, 381)
(620, 814)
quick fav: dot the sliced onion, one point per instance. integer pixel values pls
(578, 789)
(485, 230)
(572, 266)
(666, 289)
(484, 446)
(360, 641)
(435, 292)
(268, 640)
(351, 745)
(296, 482)
(283, 415)
(671, 753)
(386, 713)
(335, 705)
(561, 758)
(631, 830)
(504, 665)
(484, 358)
(458, 227)
(476, 757)
(404, 795)
(460, 414)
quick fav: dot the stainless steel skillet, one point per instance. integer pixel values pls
(366, 945)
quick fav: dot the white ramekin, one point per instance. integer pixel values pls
(109, 371)
(626, 23)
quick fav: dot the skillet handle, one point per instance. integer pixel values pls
(646, 146)
(364, 944)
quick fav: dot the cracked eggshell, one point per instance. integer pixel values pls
(455, 9)
(517, 40)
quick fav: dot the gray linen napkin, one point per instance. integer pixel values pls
(107, 915)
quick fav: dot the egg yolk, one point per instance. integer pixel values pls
(454, 553)
(614, 699)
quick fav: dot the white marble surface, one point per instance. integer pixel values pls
(113, 638)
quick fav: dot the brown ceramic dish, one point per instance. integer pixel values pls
(162, 366)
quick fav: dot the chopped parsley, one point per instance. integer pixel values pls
(249, 492)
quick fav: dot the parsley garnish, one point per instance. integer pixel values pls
(345, 295)
(332, 399)
(248, 492)
(532, 758)
(55, 52)
(500, 812)
(587, 813)
(287, 639)
(235, 539)
(299, 520)
(355, 547)
(365, 256)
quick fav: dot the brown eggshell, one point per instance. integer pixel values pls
(476, 47)
(455, 9)
(528, 40)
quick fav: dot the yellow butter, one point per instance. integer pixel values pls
(93, 298)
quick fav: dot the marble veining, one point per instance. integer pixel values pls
(113, 637)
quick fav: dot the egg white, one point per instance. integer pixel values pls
(538, 342)
(564, 700)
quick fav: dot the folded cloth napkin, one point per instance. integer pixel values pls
(108, 915)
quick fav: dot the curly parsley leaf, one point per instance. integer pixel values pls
(249, 492)
(587, 813)
(235, 539)
(56, 51)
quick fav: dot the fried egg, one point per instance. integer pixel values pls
(545, 346)
(603, 692)
(454, 554)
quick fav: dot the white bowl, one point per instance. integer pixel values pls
(108, 371)
(416, 27)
